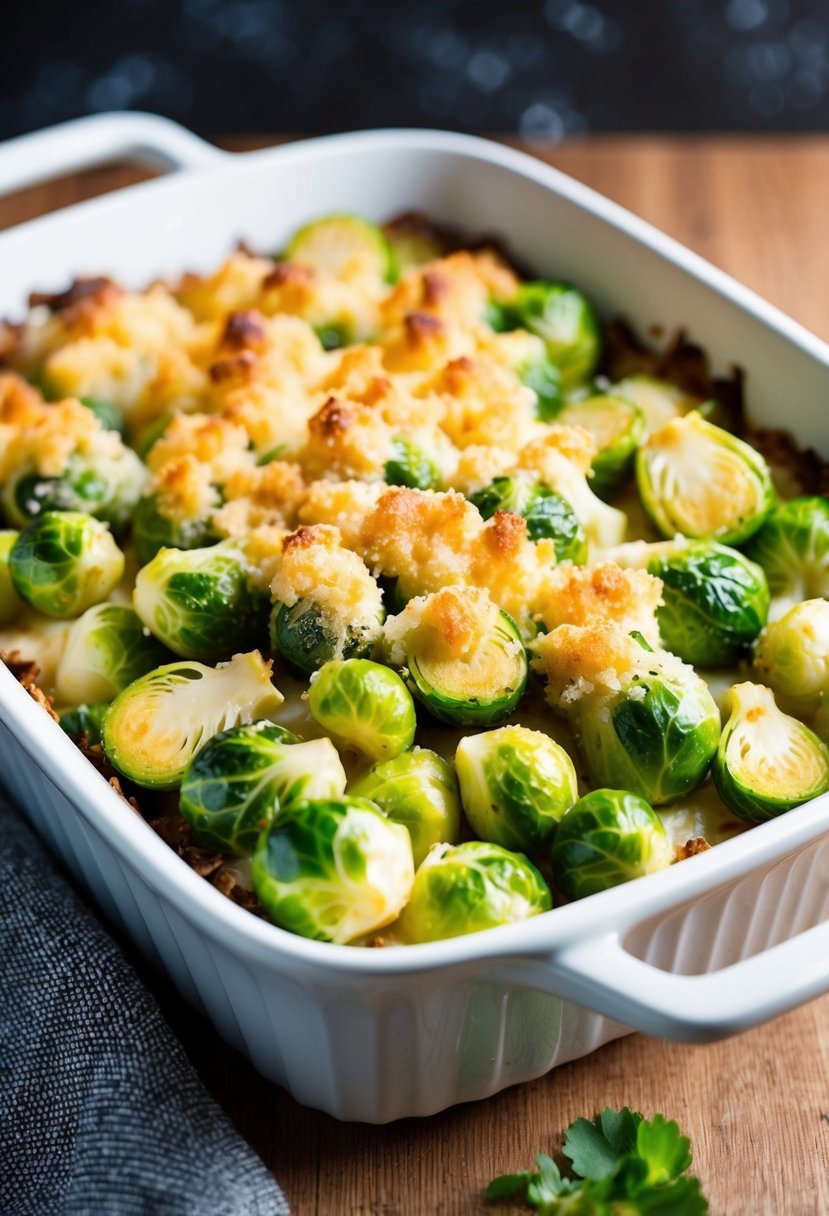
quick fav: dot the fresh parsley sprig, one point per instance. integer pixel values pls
(623, 1165)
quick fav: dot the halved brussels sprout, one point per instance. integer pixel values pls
(104, 484)
(307, 638)
(201, 603)
(64, 562)
(544, 378)
(767, 762)
(418, 789)
(10, 601)
(84, 720)
(618, 426)
(152, 531)
(659, 400)
(365, 706)
(701, 481)
(792, 657)
(155, 726)
(515, 784)
(793, 548)
(565, 320)
(345, 246)
(242, 777)
(644, 720)
(106, 649)
(333, 870)
(606, 838)
(410, 466)
(716, 601)
(460, 655)
(464, 888)
(546, 512)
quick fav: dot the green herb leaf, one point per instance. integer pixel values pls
(624, 1165)
(594, 1148)
(509, 1186)
(667, 1152)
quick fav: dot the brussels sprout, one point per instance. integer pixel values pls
(659, 737)
(701, 481)
(105, 485)
(544, 378)
(565, 320)
(792, 657)
(307, 638)
(201, 603)
(155, 726)
(515, 786)
(365, 705)
(84, 720)
(715, 602)
(468, 887)
(110, 415)
(767, 762)
(460, 655)
(409, 466)
(333, 870)
(606, 838)
(419, 790)
(793, 548)
(345, 246)
(618, 426)
(64, 562)
(658, 400)
(237, 782)
(644, 720)
(106, 649)
(546, 512)
(152, 531)
(10, 601)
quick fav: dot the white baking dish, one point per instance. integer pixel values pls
(723, 941)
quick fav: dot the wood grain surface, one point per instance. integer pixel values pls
(756, 1107)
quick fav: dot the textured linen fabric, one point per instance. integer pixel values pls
(100, 1110)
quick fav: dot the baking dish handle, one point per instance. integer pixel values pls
(600, 974)
(85, 142)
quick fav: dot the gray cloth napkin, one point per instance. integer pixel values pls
(100, 1110)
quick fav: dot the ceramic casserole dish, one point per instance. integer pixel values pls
(728, 939)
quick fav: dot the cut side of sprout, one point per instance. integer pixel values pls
(460, 655)
(618, 426)
(156, 725)
(659, 401)
(767, 762)
(345, 246)
(701, 481)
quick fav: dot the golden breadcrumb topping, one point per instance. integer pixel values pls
(449, 624)
(578, 595)
(316, 567)
(578, 661)
(432, 539)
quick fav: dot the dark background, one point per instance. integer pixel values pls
(547, 69)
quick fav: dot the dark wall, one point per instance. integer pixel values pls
(550, 68)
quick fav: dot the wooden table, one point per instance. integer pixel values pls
(756, 1107)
